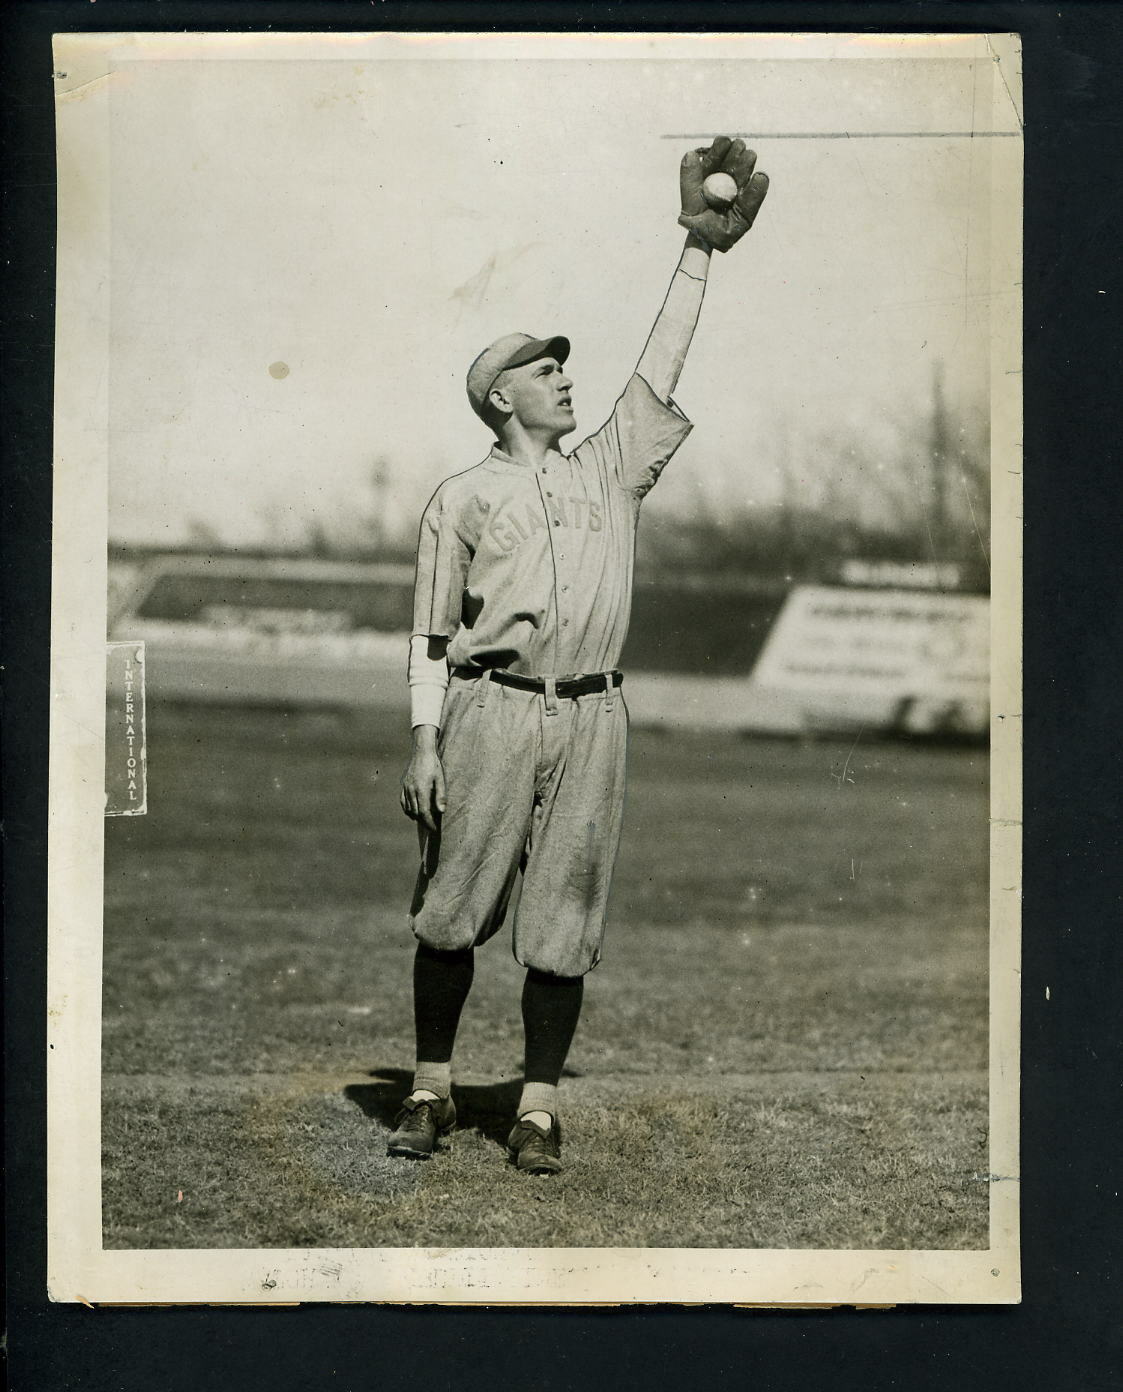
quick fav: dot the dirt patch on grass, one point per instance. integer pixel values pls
(845, 1161)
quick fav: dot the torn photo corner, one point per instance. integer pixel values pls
(795, 1076)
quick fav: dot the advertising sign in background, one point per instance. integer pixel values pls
(921, 660)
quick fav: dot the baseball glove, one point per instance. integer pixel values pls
(720, 227)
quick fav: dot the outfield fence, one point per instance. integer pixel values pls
(736, 653)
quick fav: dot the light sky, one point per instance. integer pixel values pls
(372, 225)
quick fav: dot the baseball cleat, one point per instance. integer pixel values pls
(534, 1149)
(418, 1125)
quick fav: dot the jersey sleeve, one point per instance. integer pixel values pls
(442, 570)
(635, 443)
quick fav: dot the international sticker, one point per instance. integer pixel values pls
(126, 781)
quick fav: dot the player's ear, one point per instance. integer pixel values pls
(497, 410)
(500, 401)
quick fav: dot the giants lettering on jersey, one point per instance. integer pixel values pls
(557, 601)
(512, 526)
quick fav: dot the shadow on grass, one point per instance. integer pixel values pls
(488, 1108)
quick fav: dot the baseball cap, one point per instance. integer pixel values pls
(512, 350)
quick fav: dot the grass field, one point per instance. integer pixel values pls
(785, 1045)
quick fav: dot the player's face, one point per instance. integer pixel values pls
(540, 396)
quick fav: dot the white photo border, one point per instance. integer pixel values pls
(79, 1269)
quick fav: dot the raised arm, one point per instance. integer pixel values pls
(665, 351)
(710, 224)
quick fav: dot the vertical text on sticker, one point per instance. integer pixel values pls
(126, 780)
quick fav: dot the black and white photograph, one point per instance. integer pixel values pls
(534, 808)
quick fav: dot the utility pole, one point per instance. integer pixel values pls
(940, 451)
(787, 496)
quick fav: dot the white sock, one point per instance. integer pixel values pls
(543, 1119)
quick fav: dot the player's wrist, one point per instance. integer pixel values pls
(425, 739)
(695, 259)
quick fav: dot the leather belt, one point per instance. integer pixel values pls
(565, 686)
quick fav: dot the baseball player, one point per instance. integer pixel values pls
(522, 600)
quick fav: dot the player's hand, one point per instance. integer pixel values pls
(720, 228)
(423, 783)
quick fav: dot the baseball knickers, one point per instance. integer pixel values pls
(533, 781)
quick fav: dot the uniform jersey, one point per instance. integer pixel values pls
(530, 568)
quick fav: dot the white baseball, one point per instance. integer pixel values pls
(719, 190)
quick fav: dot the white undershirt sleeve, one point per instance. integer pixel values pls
(428, 678)
(665, 352)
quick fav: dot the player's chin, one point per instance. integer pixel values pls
(567, 421)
